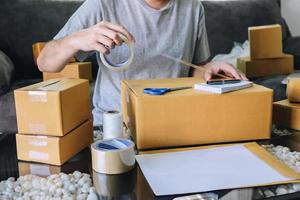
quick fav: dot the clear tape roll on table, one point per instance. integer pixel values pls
(123, 65)
(115, 156)
(293, 90)
(114, 185)
(112, 125)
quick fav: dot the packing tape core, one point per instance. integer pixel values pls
(115, 156)
(119, 66)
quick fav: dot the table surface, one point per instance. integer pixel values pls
(129, 186)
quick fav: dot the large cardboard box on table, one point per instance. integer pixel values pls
(287, 114)
(54, 150)
(266, 67)
(265, 41)
(53, 107)
(190, 117)
(82, 70)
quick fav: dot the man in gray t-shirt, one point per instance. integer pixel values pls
(173, 27)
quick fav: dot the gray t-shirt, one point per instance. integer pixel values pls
(177, 30)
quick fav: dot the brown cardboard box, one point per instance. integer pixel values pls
(266, 67)
(37, 48)
(82, 70)
(190, 117)
(293, 90)
(287, 114)
(38, 169)
(54, 150)
(77, 162)
(265, 41)
(52, 107)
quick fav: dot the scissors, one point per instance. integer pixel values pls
(162, 91)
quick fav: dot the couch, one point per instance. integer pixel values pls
(24, 22)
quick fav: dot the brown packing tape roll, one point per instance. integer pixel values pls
(113, 156)
(293, 90)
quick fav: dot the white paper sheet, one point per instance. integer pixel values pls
(205, 170)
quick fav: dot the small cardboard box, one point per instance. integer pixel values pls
(77, 162)
(265, 41)
(37, 48)
(287, 114)
(82, 70)
(190, 117)
(53, 107)
(266, 67)
(54, 150)
(293, 90)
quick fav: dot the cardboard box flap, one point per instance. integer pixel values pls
(264, 27)
(137, 87)
(265, 158)
(53, 85)
(255, 148)
(287, 104)
(248, 59)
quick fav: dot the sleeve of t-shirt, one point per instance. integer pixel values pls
(202, 52)
(88, 14)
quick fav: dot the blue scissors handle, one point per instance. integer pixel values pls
(156, 91)
(162, 91)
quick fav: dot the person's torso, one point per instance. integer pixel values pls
(171, 31)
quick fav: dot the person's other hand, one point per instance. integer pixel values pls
(101, 37)
(215, 68)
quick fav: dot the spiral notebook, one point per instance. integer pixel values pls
(219, 89)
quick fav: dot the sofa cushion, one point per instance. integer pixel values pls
(228, 21)
(6, 72)
(273, 82)
(292, 46)
(8, 122)
(25, 22)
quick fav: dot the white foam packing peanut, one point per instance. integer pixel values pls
(77, 186)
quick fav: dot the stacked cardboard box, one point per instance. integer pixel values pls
(287, 112)
(81, 70)
(266, 55)
(37, 48)
(53, 120)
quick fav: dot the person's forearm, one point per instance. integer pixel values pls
(56, 54)
(100, 37)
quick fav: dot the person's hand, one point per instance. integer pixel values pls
(101, 37)
(215, 68)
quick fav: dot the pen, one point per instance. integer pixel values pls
(222, 82)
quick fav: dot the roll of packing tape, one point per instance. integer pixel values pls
(114, 186)
(115, 156)
(293, 90)
(112, 125)
(123, 65)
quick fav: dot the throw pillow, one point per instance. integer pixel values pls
(6, 72)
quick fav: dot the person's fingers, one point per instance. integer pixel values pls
(243, 77)
(107, 42)
(114, 36)
(231, 71)
(119, 29)
(207, 76)
(99, 47)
